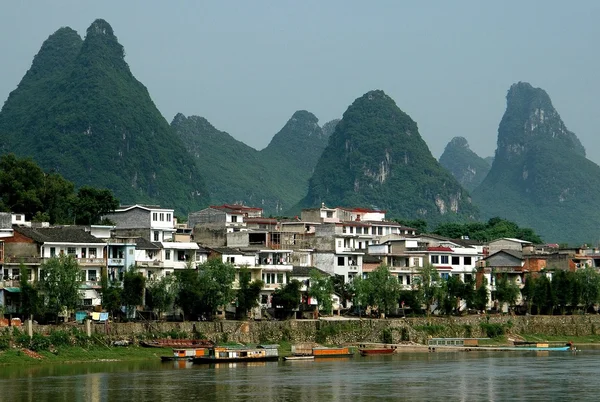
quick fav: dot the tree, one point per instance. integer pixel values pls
(480, 298)
(111, 295)
(91, 203)
(362, 290)
(528, 291)
(385, 289)
(60, 284)
(428, 284)
(188, 294)
(287, 298)
(343, 289)
(562, 288)
(452, 292)
(160, 294)
(248, 293)
(30, 298)
(542, 295)
(321, 288)
(132, 294)
(215, 280)
(507, 290)
(589, 286)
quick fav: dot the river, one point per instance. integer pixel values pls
(440, 376)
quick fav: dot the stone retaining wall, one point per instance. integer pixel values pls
(336, 331)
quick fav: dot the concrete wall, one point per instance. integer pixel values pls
(135, 218)
(207, 216)
(503, 260)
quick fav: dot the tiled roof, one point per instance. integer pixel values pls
(143, 244)
(235, 208)
(440, 248)
(305, 271)
(514, 253)
(371, 259)
(57, 234)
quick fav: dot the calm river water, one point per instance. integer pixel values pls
(463, 376)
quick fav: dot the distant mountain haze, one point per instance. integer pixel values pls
(540, 176)
(465, 165)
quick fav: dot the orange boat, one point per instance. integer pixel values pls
(332, 352)
(376, 351)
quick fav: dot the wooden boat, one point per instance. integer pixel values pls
(320, 352)
(177, 343)
(376, 351)
(228, 355)
(185, 354)
(306, 357)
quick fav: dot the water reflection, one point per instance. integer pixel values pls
(434, 376)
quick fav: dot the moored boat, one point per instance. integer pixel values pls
(306, 357)
(227, 355)
(323, 351)
(185, 354)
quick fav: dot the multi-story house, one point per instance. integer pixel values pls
(153, 223)
(32, 246)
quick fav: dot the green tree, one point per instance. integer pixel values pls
(160, 294)
(91, 203)
(132, 294)
(385, 289)
(31, 301)
(362, 290)
(248, 293)
(60, 284)
(528, 291)
(321, 288)
(343, 289)
(215, 280)
(287, 297)
(480, 299)
(589, 286)
(542, 295)
(111, 295)
(452, 292)
(428, 284)
(507, 290)
(188, 294)
(562, 288)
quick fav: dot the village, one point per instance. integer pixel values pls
(344, 243)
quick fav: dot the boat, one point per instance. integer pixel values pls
(306, 357)
(342, 351)
(233, 354)
(376, 351)
(177, 343)
(537, 346)
(186, 354)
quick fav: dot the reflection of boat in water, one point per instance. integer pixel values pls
(177, 343)
(376, 351)
(185, 354)
(232, 355)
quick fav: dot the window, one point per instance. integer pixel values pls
(444, 259)
(233, 218)
(351, 229)
(468, 277)
(17, 217)
(358, 230)
(52, 251)
(417, 262)
(330, 214)
(83, 252)
(445, 275)
(467, 260)
(408, 280)
(167, 254)
(280, 278)
(71, 250)
(154, 216)
(400, 279)
(87, 302)
(156, 236)
(341, 261)
(379, 230)
(130, 251)
(168, 217)
(181, 255)
(231, 260)
(92, 252)
(92, 275)
(455, 260)
(29, 274)
(435, 259)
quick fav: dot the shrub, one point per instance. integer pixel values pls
(431, 329)
(493, 330)
(60, 338)
(39, 342)
(386, 336)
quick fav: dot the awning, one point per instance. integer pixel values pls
(13, 290)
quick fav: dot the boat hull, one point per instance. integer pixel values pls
(382, 351)
(299, 358)
(213, 360)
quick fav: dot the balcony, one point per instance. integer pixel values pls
(150, 264)
(10, 283)
(90, 261)
(25, 260)
(119, 262)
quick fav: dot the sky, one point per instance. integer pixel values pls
(247, 66)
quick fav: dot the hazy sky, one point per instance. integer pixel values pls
(247, 66)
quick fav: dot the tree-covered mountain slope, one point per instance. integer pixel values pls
(376, 158)
(80, 111)
(540, 176)
(274, 178)
(465, 165)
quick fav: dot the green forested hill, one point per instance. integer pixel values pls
(465, 165)
(540, 177)
(274, 178)
(376, 158)
(80, 111)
